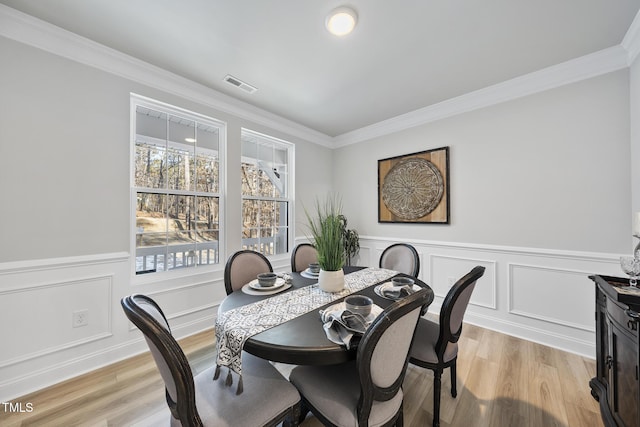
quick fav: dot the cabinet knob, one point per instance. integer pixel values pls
(609, 362)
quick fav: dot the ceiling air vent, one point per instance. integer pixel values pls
(240, 84)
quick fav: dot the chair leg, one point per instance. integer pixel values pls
(293, 418)
(304, 410)
(454, 385)
(437, 386)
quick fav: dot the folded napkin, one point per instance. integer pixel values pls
(398, 291)
(341, 326)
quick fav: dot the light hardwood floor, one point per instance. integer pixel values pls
(502, 382)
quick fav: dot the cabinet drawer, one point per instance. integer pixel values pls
(618, 314)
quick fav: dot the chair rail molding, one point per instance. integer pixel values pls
(525, 290)
(38, 354)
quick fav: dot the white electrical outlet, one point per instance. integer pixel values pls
(80, 318)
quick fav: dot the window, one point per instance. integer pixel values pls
(176, 181)
(266, 193)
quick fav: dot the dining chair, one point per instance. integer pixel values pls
(368, 390)
(401, 257)
(242, 267)
(303, 255)
(436, 344)
(267, 399)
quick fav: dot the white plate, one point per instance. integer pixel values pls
(263, 291)
(311, 273)
(308, 275)
(255, 285)
(379, 290)
(340, 307)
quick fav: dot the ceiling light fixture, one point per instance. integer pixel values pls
(341, 21)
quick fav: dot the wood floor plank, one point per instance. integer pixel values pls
(476, 398)
(579, 417)
(546, 403)
(466, 356)
(502, 382)
(416, 387)
(574, 378)
(512, 382)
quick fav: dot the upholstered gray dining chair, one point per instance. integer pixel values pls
(368, 390)
(267, 399)
(242, 267)
(401, 257)
(435, 345)
(303, 255)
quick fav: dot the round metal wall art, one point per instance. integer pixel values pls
(412, 188)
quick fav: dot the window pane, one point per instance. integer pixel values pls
(267, 214)
(281, 214)
(181, 130)
(180, 216)
(151, 212)
(249, 179)
(151, 123)
(281, 240)
(207, 213)
(249, 213)
(208, 137)
(150, 165)
(180, 168)
(207, 173)
(265, 182)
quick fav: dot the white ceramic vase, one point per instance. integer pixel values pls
(331, 281)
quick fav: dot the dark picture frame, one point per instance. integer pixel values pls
(414, 188)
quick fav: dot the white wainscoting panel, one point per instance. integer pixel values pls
(446, 270)
(551, 295)
(42, 317)
(542, 295)
(38, 297)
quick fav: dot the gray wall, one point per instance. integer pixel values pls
(64, 142)
(634, 78)
(550, 170)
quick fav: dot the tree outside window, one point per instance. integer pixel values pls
(176, 174)
(266, 204)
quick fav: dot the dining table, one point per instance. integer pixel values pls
(302, 340)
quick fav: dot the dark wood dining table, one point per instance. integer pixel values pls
(302, 340)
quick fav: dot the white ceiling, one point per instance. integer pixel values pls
(402, 56)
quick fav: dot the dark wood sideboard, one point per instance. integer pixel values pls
(616, 385)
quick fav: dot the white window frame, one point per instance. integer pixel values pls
(138, 100)
(290, 183)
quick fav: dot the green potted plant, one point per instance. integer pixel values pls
(351, 241)
(326, 229)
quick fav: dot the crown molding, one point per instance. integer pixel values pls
(585, 67)
(631, 41)
(37, 33)
(26, 29)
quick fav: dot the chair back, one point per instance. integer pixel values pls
(242, 267)
(401, 257)
(453, 309)
(173, 365)
(384, 349)
(303, 255)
